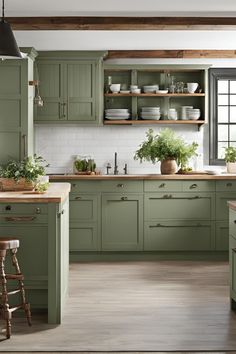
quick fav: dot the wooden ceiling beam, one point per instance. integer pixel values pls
(122, 23)
(174, 54)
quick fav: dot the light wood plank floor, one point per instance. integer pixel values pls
(138, 306)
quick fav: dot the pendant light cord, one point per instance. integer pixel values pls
(3, 10)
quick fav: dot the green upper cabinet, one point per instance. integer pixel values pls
(71, 87)
(16, 107)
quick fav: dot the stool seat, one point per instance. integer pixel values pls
(8, 243)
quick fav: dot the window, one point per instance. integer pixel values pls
(222, 112)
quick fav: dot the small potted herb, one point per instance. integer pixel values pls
(230, 159)
(22, 175)
(169, 149)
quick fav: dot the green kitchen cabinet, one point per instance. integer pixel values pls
(222, 236)
(16, 106)
(71, 87)
(232, 256)
(122, 222)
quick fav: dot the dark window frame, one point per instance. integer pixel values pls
(216, 74)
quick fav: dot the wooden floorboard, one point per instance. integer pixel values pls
(162, 306)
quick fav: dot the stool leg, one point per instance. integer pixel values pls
(4, 297)
(25, 305)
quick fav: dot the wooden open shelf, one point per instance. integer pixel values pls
(154, 94)
(144, 122)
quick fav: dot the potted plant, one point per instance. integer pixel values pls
(169, 149)
(230, 159)
(22, 175)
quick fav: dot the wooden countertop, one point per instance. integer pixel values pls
(143, 177)
(232, 204)
(56, 193)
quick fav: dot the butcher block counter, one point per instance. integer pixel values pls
(41, 222)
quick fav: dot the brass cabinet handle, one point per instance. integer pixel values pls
(162, 185)
(78, 198)
(234, 249)
(20, 218)
(120, 185)
(229, 184)
(38, 210)
(63, 111)
(170, 196)
(24, 137)
(175, 226)
(73, 184)
(193, 186)
(8, 207)
(124, 198)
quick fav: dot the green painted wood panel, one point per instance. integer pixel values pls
(10, 118)
(226, 186)
(10, 74)
(232, 266)
(222, 210)
(20, 208)
(232, 223)
(222, 236)
(83, 207)
(122, 222)
(175, 206)
(162, 186)
(198, 186)
(85, 186)
(84, 237)
(121, 186)
(181, 235)
(10, 146)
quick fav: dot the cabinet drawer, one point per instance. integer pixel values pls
(83, 207)
(222, 209)
(226, 186)
(84, 237)
(198, 186)
(23, 208)
(179, 206)
(23, 219)
(222, 236)
(162, 186)
(121, 186)
(85, 186)
(178, 236)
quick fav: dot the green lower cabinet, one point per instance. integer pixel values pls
(177, 206)
(84, 237)
(222, 210)
(84, 207)
(181, 235)
(122, 222)
(222, 236)
(232, 263)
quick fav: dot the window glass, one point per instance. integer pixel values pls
(223, 114)
(232, 114)
(223, 86)
(223, 133)
(232, 86)
(223, 100)
(232, 134)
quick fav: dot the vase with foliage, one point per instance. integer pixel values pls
(230, 159)
(22, 175)
(168, 148)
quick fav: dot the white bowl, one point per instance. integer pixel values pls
(192, 86)
(137, 90)
(115, 88)
(162, 91)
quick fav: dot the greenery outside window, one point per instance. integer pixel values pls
(222, 112)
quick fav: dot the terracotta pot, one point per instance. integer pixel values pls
(9, 184)
(168, 167)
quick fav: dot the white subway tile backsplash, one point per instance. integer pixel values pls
(59, 144)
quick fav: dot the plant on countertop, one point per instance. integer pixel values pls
(230, 154)
(85, 165)
(29, 168)
(166, 146)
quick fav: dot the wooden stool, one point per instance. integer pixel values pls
(9, 243)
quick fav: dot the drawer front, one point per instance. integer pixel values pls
(226, 186)
(198, 186)
(222, 236)
(83, 207)
(23, 219)
(178, 236)
(179, 206)
(162, 186)
(121, 186)
(222, 209)
(232, 222)
(85, 186)
(23, 208)
(84, 237)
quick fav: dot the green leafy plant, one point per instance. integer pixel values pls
(165, 145)
(29, 168)
(85, 165)
(41, 187)
(230, 154)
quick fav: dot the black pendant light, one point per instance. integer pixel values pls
(8, 46)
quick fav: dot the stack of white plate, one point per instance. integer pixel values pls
(152, 113)
(117, 113)
(193, 113)
(184, 112)
(150, 88)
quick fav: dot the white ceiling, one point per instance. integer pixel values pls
(120, 8)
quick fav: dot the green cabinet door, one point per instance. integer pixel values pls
(222, 236)
(52, 81)
(232, 264)
(122, 222)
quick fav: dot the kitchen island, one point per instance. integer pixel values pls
(41, 222)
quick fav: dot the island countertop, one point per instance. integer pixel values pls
(232, 204)
(56, 193)
(203, 176)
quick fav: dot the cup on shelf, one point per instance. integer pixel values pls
(192, 86)
(115, 88)
(172, 114)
